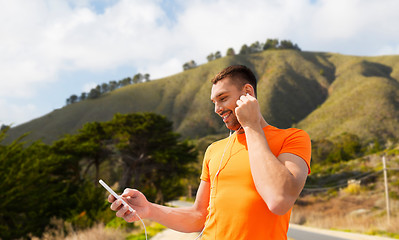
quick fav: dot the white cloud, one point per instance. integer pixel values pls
(166, 68)
(42, 38)
(389, 50)
(352, 27)
(89, 86)
(13, 114)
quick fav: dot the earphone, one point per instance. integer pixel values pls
(214, 180)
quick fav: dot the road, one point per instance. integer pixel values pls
(295, 232)
(299, 234)
(170, 234)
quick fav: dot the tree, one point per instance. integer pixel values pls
(244, 50)
(296, 47)
(214, 56)
(147, 77)
(37, 185)
(271, 44)
(218, 55)
(73, 99)
(83, 96)
(321, 150)
(94, 93)
(125, 81)
(138, 78)
(186, 66)
(286, 44)
(92, 144)
(153, 159)
(192, 64)
(210, 57)
(255, 47)
(350, 145)
(230, 52)
(4, 127)
(66, 147)
(89, 147)
(189, 65)
(113, 85)
(104, 88)
(341, 148)
(98, 88)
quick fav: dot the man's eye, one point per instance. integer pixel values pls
(223, 98)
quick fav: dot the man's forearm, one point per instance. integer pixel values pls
(187, 219)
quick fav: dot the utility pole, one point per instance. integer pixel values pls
(386, 190)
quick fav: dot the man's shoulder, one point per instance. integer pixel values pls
(271, 128)
(286, 132)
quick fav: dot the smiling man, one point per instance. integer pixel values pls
(250, 180)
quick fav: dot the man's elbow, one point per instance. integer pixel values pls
(280, 205)
(199, 222)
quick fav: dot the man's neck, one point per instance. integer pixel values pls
(263, 125)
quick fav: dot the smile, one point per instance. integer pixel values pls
(225, 115)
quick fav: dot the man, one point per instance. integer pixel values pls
(250, 180)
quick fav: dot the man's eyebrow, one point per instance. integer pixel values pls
(217, 96)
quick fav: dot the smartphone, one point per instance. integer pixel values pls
(114, 194)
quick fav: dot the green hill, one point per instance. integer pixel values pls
(323, 93)
(363, 100)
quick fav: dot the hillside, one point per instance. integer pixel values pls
(324, 93)
(363, 99)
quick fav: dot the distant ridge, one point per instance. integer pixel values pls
(325, 94)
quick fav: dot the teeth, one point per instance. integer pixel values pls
(225, 116)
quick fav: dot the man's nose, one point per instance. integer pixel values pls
(218, 108)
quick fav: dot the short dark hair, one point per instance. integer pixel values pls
(240, 75)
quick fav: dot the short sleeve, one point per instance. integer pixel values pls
(205, 165)
(298, 143)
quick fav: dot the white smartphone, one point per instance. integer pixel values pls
(114, 194)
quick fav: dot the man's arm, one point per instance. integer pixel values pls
(278, 180)
(188, 219)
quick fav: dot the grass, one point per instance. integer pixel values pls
(152, 230)
(326, 94)
(360, 100)
(64, 231)
(347, 212)
(358, 206)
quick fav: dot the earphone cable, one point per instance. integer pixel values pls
(214, 182)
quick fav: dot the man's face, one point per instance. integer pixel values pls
(224, 96)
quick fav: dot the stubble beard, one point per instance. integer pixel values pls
(233, 125)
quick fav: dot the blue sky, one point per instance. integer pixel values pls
(51, 49)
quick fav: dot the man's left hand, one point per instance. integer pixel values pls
(248, 111)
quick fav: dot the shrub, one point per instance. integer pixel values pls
(353, 187)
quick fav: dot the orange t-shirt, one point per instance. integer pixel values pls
(236, 210)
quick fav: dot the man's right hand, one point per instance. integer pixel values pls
(136, 200)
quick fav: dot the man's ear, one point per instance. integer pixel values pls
(249, 89)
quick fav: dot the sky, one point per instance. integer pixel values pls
(52, 49)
